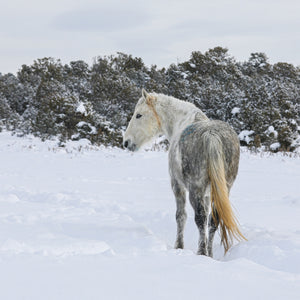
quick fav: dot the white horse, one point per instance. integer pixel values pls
(203, 160)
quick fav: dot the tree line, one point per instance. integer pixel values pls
(73, 101)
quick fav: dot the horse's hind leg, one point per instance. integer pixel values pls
(200, 203)
(213, 224)
(180, 195)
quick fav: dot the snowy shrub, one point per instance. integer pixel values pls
(75, 101)
(275, 147)
(246, 137)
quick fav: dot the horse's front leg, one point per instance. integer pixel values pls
(180, 195)
(200, 203)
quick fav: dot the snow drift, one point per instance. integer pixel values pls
(82, 222)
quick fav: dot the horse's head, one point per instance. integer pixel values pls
(144, 124)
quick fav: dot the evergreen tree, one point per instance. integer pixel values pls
(260, 100)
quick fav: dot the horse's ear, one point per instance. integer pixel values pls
(145, 94)
(149, 98)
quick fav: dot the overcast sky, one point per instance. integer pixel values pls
(160, 32)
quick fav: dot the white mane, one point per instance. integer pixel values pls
(170, 101)
(176, 114)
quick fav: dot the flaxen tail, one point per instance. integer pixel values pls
(220, 194)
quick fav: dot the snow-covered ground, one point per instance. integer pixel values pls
(96, 223)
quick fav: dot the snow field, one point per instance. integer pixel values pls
(93, 223)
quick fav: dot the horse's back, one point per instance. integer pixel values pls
(199, 143)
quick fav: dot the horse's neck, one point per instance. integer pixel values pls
(177, 115)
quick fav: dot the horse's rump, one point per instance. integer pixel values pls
(210, 156)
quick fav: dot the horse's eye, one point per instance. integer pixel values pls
(138, 116)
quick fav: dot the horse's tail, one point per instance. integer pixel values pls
(219, 193)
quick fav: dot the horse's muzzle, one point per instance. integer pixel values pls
(129, 145)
